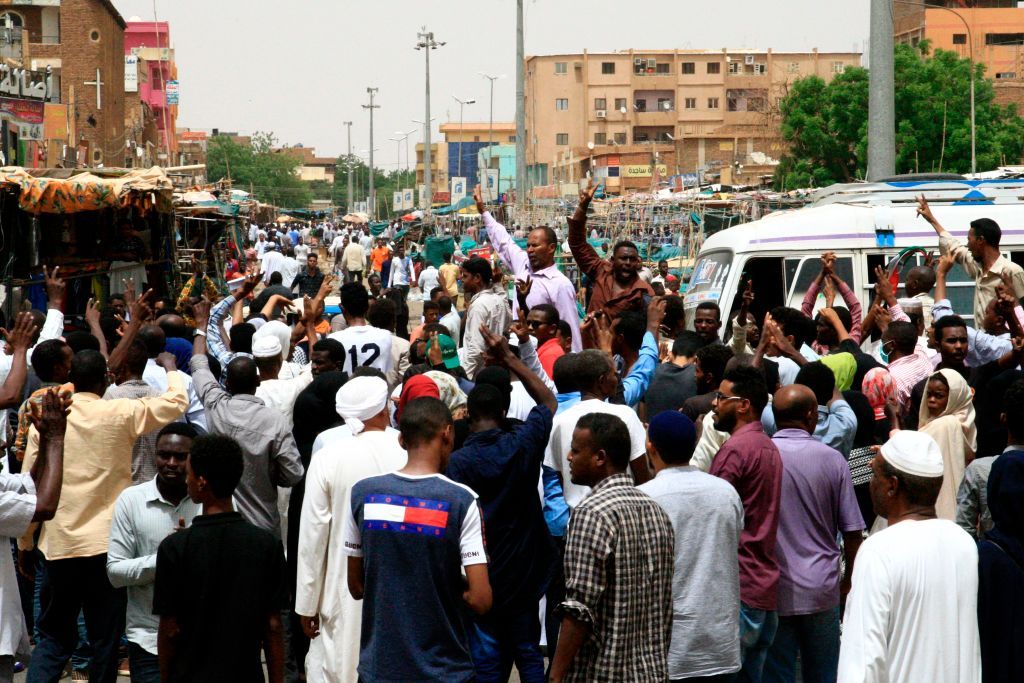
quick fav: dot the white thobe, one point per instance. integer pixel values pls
(322, 576)
(280, 393)
(17, 507)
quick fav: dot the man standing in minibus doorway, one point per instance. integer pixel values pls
(981, 258)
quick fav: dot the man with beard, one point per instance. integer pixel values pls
(981, 258)
(750, 461)
(537, 264)
(145, 515)
(617, 285)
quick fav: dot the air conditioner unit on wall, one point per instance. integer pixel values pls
(749, 59)
(602, 113)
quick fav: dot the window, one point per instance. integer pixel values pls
(641, 136)
(607, 68)
(600, 138)
(712, 103)
(734, 67)
(959, 38)
(1004, 38)
(600, 103)
(1005, 75)
(689, 68)
(561, 104)
(620, 138)
(561, 68)
(663, 136)
(714, 68)
(664, 104)
(476, 138)
(643, 67)
(511, 138)
(838, 67)
(620, 103)
(561, 138)
(662, 68)
(754, 100)
(793, 68)
(640, 105)
(760, 69)
(691, 102)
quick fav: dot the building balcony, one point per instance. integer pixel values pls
(656, 118)
(654, 81)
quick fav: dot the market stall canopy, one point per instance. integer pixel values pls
(358, 217)
(286, 219)
(63, 191)
(458, 206)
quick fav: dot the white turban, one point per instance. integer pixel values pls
(279, 331)
(361, 398)
(914, 453)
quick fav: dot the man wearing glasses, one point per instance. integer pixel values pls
(751, 463)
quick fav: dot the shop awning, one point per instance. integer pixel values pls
(41, 193)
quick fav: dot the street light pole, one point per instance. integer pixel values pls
(426, 42)
(520, 109)
(490, 128)
(881, 91)
(348, 165)
(462, 103)
(371, 106)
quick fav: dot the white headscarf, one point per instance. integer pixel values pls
(278, 330)
(361, 398)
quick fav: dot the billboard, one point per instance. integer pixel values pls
(131, 73)
(458, 190)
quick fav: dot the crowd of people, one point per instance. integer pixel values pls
(584, 483)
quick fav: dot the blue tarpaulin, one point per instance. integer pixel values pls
(462, 204)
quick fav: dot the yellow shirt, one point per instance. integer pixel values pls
(985, 282)
(98, 464)
(448, 275)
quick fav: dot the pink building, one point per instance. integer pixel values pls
(149, 43)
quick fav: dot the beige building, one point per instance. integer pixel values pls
(991, 32)
(634, 117)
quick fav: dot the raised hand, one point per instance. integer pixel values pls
(883, 287)
(55, 287)
(479, 199)
(249, 284)
(434, 355)
(655, 314)
(92, 312)
(21, 335)
(924, 210)
(946, 263)
(520, 328)
(587, 193)
(140, 309)
(50, 415)
(497, 346)
(201, 313)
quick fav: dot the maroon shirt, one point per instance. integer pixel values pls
(751, 463)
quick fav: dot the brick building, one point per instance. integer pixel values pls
(635, 116)
(82, 42)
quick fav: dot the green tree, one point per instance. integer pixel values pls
(273, 176)
(825, 126)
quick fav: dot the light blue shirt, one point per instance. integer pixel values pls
(143, 518)
(635, 384)
(982, 347)
(837, 425)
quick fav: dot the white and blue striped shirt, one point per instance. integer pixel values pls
(142, 519)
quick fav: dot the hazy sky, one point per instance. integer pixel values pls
(301, 68)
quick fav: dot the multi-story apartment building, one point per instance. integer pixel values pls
(634, 116)
(459, 153)
(990, 32)
(151, 94)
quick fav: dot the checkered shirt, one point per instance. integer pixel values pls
(619, 558)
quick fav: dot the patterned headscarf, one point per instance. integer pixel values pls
(451, 394)
(879, 388)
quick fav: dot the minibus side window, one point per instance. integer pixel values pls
(959, 285)
(800, 273)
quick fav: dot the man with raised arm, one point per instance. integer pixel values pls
(617, 283)
(981, 258)
(536, 262)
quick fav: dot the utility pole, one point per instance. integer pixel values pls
(881, 93)
(426, 42)
(348, 166)
(371, 106)
(520, 110)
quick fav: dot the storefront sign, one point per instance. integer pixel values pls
(641, 171)
(23, 111)
(131, 73)
(22, 83)
(55, 121)
(172, 92)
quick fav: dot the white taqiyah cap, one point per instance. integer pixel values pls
(913, 453)
(266, 347)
